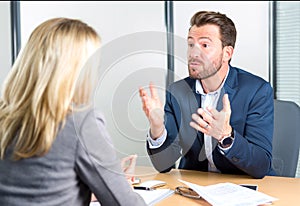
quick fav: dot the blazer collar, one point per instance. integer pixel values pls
(231, 82)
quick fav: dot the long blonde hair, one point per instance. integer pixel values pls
(44, 84)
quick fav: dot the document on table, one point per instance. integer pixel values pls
(151, 197)
(230, 194)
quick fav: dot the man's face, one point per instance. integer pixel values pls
(205, 52)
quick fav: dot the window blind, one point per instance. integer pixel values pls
(288, 51)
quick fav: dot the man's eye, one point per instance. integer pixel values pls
(190, 45)
(205, 45)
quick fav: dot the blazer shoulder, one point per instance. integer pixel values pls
(246, 75)
(242, 78)
(84, 116)
(186, 83)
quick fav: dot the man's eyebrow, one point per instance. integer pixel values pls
(200, 38)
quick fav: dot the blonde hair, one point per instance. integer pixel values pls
(46, 81)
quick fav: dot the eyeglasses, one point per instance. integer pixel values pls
(187, 192)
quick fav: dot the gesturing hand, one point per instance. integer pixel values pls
(128, 166)
(153, 109)
(212, 122)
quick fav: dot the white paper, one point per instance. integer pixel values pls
(94, 204)
(153, 196)
(150, 196)
(153, 183)
(229, 194)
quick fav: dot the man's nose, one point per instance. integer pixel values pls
(195, 51)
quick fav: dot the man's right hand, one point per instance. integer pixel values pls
(154, 111)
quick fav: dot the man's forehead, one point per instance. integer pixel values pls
(206, 31)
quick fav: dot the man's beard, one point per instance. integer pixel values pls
(207, 70)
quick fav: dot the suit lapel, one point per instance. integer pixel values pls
(195, 103)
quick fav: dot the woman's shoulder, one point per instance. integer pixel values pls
(83, 116)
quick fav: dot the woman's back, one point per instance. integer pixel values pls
(81, 157)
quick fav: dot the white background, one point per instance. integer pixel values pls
(5, 41)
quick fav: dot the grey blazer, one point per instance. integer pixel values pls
(82, 160)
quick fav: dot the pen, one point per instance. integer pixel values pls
(142, 188)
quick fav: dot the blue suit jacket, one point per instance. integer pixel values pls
(252, 119)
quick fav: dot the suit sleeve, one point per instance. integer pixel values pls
(164, 157)
(252, 149)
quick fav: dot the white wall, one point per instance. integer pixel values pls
(251, 19)
(5, 41)
(133, 54)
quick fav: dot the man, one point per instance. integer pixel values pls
(220, 118)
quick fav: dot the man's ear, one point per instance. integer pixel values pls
(227, 53)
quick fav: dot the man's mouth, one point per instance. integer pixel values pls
(194, 63)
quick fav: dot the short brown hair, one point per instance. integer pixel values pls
(225, 24)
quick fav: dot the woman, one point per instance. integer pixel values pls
(54, 148)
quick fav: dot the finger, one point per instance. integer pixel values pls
(131, 159)
(195, 126)
(142, 92)
(198, 120)
(129, 170)
(153, 91)
(125, 159)
(202, 111)
(226, 103)
(198, 127)
(144, 100)
(206, 114)
(145, 105)
(213, 113)
(123, 165)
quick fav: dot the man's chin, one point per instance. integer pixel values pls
(199, 77)
(193, 76)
